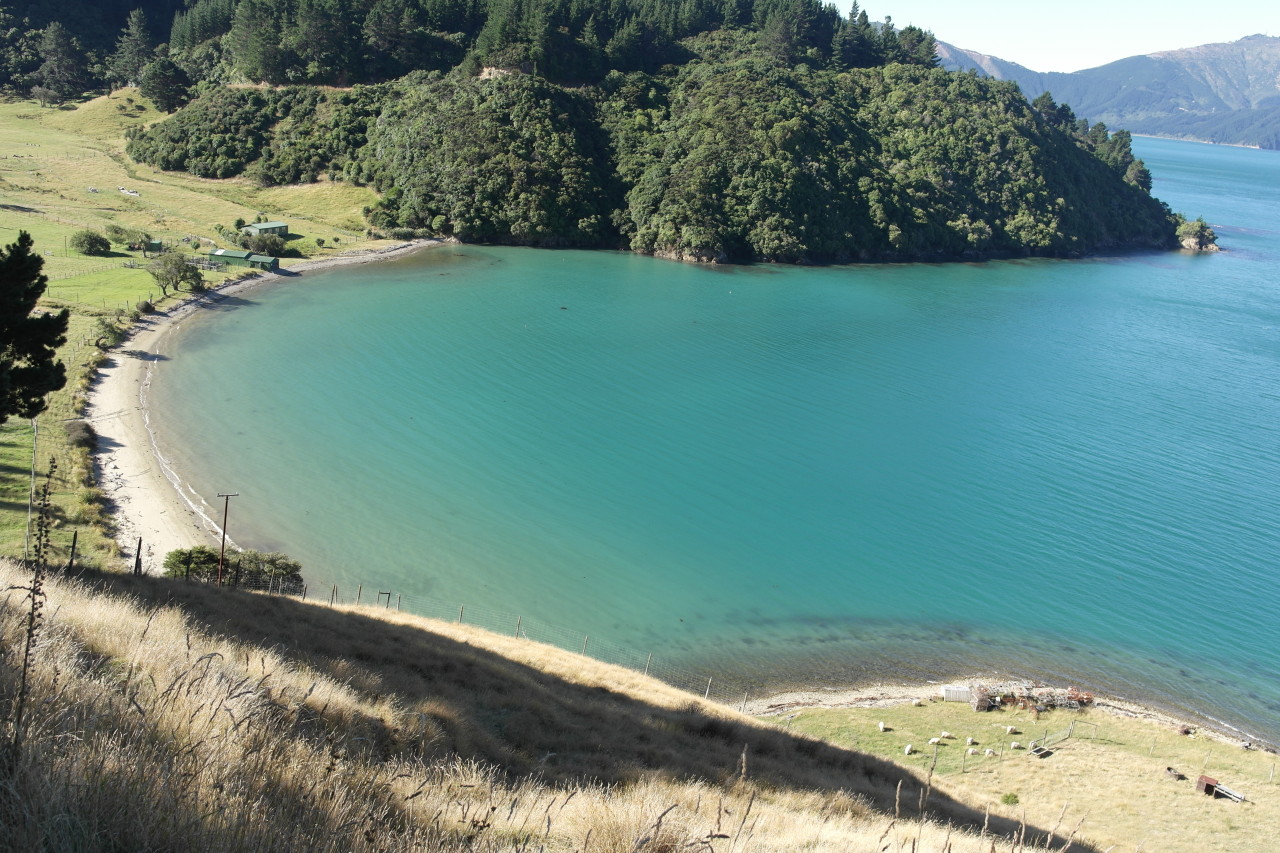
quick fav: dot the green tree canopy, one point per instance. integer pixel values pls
(165, 84)
(28, 367)
(88, 242)
(171, 271)
(133, 50)
(63, 72)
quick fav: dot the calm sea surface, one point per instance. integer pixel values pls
(1064, 469)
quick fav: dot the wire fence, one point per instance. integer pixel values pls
(722, 687)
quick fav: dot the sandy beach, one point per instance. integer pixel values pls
(145, 494)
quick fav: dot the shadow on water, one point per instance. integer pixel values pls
(528, 721)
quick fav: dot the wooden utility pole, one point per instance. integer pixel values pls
(226, 502)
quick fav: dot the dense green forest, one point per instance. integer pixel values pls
(74, 45)
(701, 129)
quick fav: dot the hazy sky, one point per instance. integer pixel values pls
(1072, 34)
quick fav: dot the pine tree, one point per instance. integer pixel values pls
(62, 73)
(133, 50)
(165, 84)
(28, 369)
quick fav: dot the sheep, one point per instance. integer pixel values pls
(969, 741)
(1011, 730)
(883, 727)
(935, 740)
(971, 751)
(948, 735)
(917, 703)
(988, 751)
(907, 751)
(1015, 745)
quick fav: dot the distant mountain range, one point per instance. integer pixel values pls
(1227, 93)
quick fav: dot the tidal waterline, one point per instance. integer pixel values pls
(792, 475)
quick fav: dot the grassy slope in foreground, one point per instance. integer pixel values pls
(51, 158)
(167, 714)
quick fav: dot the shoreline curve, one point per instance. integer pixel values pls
(147, 500)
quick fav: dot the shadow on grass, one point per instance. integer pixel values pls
(527, 721)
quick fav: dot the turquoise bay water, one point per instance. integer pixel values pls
(1058, 468)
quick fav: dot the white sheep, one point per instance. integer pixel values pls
(916, 703)
(971, 751)
(946, 735)
(1015, 745)
(934, 740)
(883, 727)
(1011, 730)
(907, 751)
(968, 741)
(988, 751)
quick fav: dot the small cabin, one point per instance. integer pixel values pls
(241, 258)
(277, 228)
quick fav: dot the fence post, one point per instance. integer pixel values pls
(647, 662)
(519, 622)
(333, 596)
(397, 601)
(708, 691)
(461, 608)
(359, 589)
(585, 637)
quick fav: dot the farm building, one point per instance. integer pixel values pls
(253, 228)
(240, 258)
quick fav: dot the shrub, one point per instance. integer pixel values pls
(266, 244)
(81, 434)
(1009, 799)
(145, 307)
(90, 243)
(199, 562)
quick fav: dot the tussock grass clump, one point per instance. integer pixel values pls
(81, 434)
(167, 715)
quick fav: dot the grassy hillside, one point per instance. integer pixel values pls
(161, 714)
(1110, 775)
(165, 715)
(51, 158)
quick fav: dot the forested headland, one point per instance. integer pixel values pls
(718, 130)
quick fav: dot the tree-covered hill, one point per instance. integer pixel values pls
(707, 129)
(738, 153)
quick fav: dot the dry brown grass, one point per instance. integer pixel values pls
(172, 716)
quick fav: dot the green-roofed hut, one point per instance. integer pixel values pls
(241, 258)
(278, 228)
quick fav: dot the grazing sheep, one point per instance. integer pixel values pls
(968, 741)
(883, 727)
(916, 703)
(1015, 745)
(988, 751)
(971, 751)
(907, 751)
(1011, 730)
(934, 740)
(946, 735)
